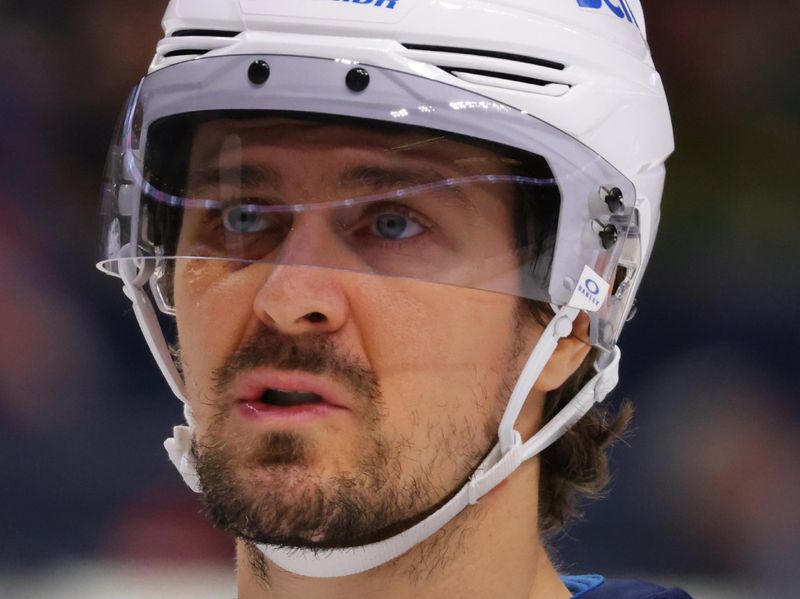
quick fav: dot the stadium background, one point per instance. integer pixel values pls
(707, 490)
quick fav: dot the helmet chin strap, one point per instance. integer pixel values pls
(135, 272)
(504, 458)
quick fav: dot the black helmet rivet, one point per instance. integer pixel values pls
(609, 236)
(258, 72)
(614, 200)
(357, 79)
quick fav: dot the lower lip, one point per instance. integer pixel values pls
(256, 410)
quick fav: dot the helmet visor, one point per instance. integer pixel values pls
(408, 178)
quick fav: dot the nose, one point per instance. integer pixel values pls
(298, 299)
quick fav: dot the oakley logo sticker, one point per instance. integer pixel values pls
(389, 4)
(590, 292)
(619, 8)
(592, 287)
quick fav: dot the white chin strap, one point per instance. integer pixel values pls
(504, 458)
(134, 276)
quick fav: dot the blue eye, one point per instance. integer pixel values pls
(395, 226)
(242, 219)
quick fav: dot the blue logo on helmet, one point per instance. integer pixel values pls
(390, 4)
(619, 8)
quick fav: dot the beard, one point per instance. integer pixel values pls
(266, 490)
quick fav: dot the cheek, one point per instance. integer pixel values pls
(439, 352)
(212, 314)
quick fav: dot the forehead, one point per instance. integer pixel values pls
(226, 139)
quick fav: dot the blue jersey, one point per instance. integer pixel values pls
(593, 586)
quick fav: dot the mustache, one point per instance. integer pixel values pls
(310, 353)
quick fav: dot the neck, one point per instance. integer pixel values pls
(490, 549)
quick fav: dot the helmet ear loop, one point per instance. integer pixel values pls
(135, 274)
(560, 326)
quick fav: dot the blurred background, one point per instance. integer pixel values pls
(707, 489)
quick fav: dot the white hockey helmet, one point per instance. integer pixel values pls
(564, 94)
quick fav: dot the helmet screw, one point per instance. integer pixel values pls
(614, 200)
(609, 236)
(258, 72)
(357, 79)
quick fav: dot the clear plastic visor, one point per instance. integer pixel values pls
(408, 178)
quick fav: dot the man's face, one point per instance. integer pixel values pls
(409, 377)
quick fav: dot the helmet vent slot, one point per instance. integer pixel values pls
(539, 62)
(204, 33)
(509, 77)
(186, 52)
(488, 68)
(186, 44)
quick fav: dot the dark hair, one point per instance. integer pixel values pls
(575, 467)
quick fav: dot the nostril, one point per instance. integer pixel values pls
(315, 317)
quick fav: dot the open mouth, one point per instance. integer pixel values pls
(276, 397)
(283, 397)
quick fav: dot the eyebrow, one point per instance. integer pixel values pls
(375, 177)
(250, 175)
(379, 177)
